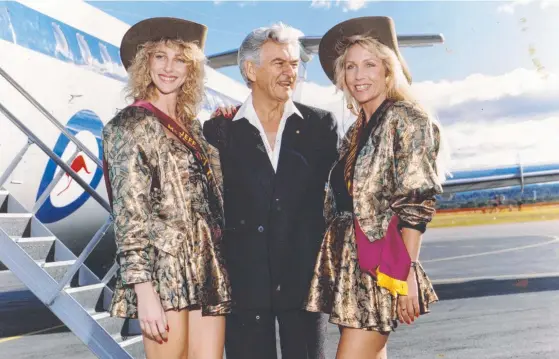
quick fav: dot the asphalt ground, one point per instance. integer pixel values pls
(498, 288)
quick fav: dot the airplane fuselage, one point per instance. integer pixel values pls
(75, 73)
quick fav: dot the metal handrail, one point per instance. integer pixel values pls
(32, 139)
(50, 117)
(79, 261)
(55, 158)
(15, 162)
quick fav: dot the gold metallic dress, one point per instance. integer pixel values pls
(168, 218)
(352, 298)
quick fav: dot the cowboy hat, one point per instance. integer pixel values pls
(379, 27)
(158, 28)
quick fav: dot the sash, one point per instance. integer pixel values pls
(387, 259)
(183, 135)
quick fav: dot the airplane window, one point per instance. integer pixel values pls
(84, 49)
(105, 54)
(61, 46)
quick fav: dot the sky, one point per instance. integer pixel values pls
(493, 84)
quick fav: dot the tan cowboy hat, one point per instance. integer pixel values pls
(158, 28)
(380, 27)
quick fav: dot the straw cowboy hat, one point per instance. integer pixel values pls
(379, 27)
(158, 28)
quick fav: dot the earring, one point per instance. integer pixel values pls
(349, 106)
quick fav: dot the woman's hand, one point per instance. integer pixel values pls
(226, 111)
(151, 315)
(408, 305)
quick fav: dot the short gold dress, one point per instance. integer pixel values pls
(168, 217)
(339, 288)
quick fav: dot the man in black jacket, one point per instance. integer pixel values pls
(276, 156)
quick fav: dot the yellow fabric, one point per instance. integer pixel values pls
(395, 286)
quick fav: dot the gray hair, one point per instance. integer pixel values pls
(252, 44)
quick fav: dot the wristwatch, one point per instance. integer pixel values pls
(413, 264)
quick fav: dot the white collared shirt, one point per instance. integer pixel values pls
(247, 111)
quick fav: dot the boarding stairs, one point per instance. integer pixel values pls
(55, 275)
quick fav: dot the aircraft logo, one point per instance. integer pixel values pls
(68, 196)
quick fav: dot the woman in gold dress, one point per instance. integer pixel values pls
(380, 196)
(165, 185)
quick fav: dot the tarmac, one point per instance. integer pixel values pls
(498, 288)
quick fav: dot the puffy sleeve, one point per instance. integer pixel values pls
(416, 183)
(131, 167)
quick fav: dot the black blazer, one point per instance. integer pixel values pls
(274, 222)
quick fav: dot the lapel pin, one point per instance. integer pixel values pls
(297, 132)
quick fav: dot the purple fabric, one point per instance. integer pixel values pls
(389, 254)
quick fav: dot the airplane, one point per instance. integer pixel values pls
(61, 77)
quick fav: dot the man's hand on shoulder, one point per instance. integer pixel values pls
(225, 111)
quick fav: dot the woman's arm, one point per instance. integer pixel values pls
(127, 150)
(132, 161)
(412, 240)
(416, 184)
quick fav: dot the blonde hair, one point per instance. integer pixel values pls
(397, 87)
(189, 100)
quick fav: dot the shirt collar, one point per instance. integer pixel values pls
(247, 110)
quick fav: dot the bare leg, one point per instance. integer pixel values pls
(177, 345)
(361, 344)
(206, 336)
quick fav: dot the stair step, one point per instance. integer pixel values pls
(112, 325)
(31, 251)
(57, 270)
(90, 297)
(134, 346)
(16, 224)
(38, 248)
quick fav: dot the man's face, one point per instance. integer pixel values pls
(276, 75)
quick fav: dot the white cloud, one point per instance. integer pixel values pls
(489, 121)
(477, 87)
(481, 144)
(355, 5)
(348, 5)
(321, 3)
(506, 8)
(510, 7)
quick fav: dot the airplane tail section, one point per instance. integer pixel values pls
(309, 47)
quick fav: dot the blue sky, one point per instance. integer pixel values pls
(479, 38)
(494, 83)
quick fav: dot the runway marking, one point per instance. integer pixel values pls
(3, 340)
(497, 277)
(555, 239)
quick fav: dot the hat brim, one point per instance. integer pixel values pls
(159, 28)
(379, 27)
